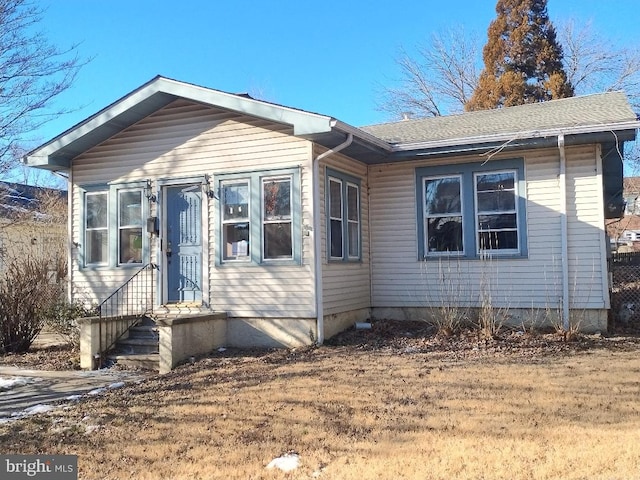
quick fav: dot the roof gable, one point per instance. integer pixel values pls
(151, 97)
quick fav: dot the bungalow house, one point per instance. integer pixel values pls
(237, 222)
(624, 232)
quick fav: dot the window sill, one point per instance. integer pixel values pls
(487, 258)
(268, 263)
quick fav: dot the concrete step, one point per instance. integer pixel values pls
(149, 361)
(146, 321)
(137, 345)
(144, 332)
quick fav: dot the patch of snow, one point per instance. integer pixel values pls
(97, 391)
(411, 350)
(9, 383)
(286, 463)
(73, 398)
(222, 349)
(89, 429)
(116, 385)
(40, 408)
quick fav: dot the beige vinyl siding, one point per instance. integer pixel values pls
(345, 285)
(399, 279)
(186, 139)
(586, 229)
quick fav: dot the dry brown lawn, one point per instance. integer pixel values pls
(357, 411)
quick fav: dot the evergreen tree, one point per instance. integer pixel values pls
(522, 58)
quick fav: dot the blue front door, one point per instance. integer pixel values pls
(183, 249)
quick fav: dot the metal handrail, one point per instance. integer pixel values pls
(123, 308)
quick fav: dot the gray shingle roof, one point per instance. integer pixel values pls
(597, 109)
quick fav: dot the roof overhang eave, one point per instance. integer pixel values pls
(374, 141)
(620, 132)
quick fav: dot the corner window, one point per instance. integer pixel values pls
(470, 210)
(96, 235)
(259, 213)
(343, 216)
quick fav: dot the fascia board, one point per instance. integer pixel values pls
(515, 136)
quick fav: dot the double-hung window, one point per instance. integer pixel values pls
(443, 214)
(496, 211)
(112, 221)
(471, 210)
(129, 226)
(96, 228)
(343, 207)
(235, 220)
(276, 221)
(260, 217)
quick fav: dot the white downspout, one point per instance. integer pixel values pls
(316, 235)
(564, 233)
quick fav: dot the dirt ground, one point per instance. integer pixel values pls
(397, 401)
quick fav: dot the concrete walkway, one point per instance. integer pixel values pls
(49, 387)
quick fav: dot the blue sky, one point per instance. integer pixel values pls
(328, 57)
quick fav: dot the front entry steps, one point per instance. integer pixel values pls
(140, 349)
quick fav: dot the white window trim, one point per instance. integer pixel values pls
(263, 221)
(86, 229)
(129, 227)
(499, 251)
(236, 181)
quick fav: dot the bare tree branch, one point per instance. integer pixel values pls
(594, 64)
(442, 74)
(33, 73)
(438, 80)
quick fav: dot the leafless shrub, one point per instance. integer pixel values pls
(491, 318)
(29, 289)
(448, 313)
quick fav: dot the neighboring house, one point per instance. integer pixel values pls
(624, 232)
(296, 225)
(32, 222)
